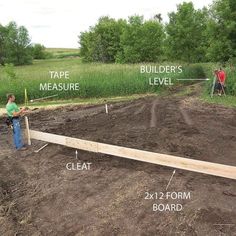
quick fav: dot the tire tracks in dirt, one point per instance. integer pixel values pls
(153, 120)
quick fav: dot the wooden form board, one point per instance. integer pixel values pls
(139, 155)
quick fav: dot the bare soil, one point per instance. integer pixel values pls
(39, 196)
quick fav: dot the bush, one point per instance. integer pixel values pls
(10, 71)
(39, 51)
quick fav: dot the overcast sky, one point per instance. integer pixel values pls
(57, 23)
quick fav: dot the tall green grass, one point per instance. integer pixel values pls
(96, 80)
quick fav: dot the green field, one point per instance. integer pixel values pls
(62, 52)
(96, 80)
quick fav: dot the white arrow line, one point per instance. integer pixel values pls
(41, 148)
(170, 179)
(76, 154)
(194, 79)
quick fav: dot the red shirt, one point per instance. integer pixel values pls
(221, 76)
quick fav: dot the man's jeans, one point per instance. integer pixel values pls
(17, 133)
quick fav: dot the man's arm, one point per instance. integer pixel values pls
(18, 113)
(218, 77)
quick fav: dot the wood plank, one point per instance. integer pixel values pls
(65, 141)
(204, 167)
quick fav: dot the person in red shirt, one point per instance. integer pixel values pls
(221, 77)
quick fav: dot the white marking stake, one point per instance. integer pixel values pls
(170, 179)
(194, 79)
(106, 107)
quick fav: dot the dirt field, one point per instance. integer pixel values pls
(39, 196)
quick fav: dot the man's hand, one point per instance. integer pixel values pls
(18, 113)
(22, 110)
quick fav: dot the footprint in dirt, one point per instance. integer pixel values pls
(212, 215)
(187, 229)
(190, 131)
(172, 147)
(189, 151)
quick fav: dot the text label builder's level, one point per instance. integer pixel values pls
(150, 69)
(160, 81)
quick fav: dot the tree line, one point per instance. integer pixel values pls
(16, 47)
(191, 35)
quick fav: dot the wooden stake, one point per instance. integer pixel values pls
(225, 171)
(106, 107)
(26, 98)
(27, 130)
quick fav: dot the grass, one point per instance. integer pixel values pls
(227, 100)
(63, 52)
(96, 80)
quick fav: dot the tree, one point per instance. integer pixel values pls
(87, 45)
(191, 35)
(185, 34)
(121, 41)
(102, 42)
(142, 41)
(221, 31)
(130, 41)
(38, 51)
(15, 45)
(3, 35)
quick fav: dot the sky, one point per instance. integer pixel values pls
(57, 23)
